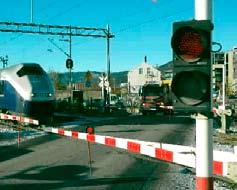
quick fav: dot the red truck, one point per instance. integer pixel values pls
(154, 97)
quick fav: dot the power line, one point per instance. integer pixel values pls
(66, 11)
(141, 11)
(154, 19)
(151, 20)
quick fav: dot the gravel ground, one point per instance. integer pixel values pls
(10, 136)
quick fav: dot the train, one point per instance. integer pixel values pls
(27, 90)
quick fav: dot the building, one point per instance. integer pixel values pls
(218, 68)
(143, 74)
(167, 73)
(231, 70)
(225, 62)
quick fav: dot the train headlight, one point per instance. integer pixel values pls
(50, 95)
(32, 94)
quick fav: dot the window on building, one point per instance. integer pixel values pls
(227, 58)
(148, 71)
(235, 58)
(235, 74)
(140, 71)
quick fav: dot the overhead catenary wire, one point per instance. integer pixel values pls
(25, 17)
(48, 5)
(66, 11)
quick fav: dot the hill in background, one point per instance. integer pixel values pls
(116, 77)
(79, 77)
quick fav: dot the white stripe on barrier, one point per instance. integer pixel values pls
(100, 139)
(121, 143)
(224, 156)
(82, 136)
(180, 148)
(19, 119)
(54, 130)
(225, 168)
(68, 133)
(148, 150)
(187, 159)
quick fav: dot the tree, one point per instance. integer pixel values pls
(88, 78)
(56, 82)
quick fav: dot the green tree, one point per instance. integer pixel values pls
(88, 78)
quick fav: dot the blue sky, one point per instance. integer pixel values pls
(141, 27)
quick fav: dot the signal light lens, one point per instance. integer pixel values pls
(191, 87)
(189, 44)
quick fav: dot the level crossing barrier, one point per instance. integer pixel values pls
(224, 163)
(19, 119)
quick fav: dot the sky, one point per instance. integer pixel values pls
(141, 28)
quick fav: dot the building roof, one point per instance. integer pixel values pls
(144, 64)
(166, 66)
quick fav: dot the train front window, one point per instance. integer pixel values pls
(30, 70)
(152, 91)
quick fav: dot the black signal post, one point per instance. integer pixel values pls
(191, 84)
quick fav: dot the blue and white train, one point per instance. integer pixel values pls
(26, 89)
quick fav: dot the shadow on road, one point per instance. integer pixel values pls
(41, 177)
(9, 152)
(12, 151)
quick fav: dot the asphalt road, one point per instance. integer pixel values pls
(53, 162)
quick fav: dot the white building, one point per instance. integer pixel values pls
(143, 74)
(226, 61)
(231, 70)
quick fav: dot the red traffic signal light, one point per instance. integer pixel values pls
(188, 44)
(191, 84)
(191, 40)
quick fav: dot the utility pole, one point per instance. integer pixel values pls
(31, 11)
(222, 111)
(108, 63)
(223, 116)
(70, 57)
(204, 125)
(69, 62)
